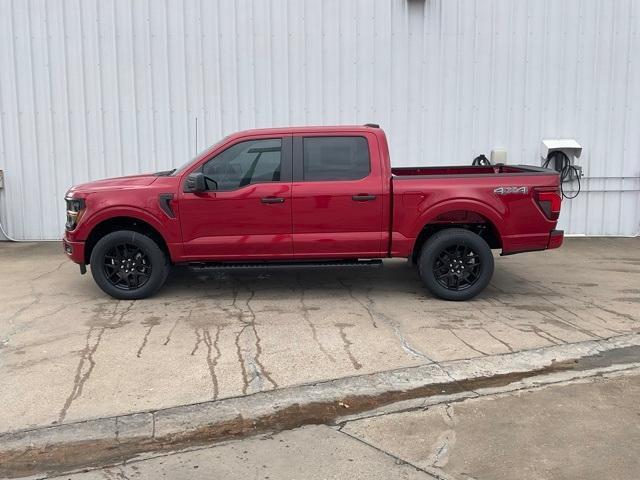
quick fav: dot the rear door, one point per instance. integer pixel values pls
(337, 196)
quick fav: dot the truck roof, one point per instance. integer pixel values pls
(369, 127)
(306, 129)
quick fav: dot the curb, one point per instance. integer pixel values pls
(65, 447)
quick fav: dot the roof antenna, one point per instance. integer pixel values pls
(196, 152)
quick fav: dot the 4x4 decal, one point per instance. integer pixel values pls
(511, 190)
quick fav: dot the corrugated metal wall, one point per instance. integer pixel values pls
(98, 88)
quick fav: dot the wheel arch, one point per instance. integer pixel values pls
(482, 221)
(123, 222)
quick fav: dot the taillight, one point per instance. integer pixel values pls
(75, 209)
(549, 202)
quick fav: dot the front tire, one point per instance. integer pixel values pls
(455, 264)
(128, 265)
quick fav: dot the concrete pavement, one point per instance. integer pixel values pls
(109, 440)
(308, 453)
(70, 353)
(586, 429)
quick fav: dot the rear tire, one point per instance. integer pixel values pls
(128, 265)
(455, 264)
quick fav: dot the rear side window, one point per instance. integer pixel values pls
(335, 158)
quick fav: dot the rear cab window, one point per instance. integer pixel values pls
(335, 158)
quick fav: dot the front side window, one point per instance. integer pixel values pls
(335, 158)
(253, 161)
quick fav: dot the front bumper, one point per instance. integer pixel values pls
(74, 250)
(556, 237)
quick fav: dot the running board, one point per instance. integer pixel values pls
(283, 265)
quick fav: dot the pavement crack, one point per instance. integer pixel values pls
(50, 271)
(509, 347)
(212, 362)
(121, 475)
(398, 460)
(448, 410)
(119, 323)
(22, 326)
(107, 474)
(443, 449)
(307, 319)
(82, 373)
(346, 343)
(16, 314)
(545, 292)
(198, 341)
(407, 347)
(605, 321)
(467, 343)
(598, 307)
(150, 323)
(175, 324)
(252, 324)
(404, 343)
(249, 346)
(86, 364)
(110, 474)
(444, 444)
(567, 322)
(362, 304)
(234, 305)
(545, 335)
(614, 312)
(452, 378)
(532, 329)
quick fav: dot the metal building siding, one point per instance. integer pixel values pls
(98, 88)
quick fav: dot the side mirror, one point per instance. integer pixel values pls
(195, 183)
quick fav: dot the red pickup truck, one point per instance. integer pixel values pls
(310, 196)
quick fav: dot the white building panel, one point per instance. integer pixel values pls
(98, 88)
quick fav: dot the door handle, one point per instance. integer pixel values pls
(363, 197)
(272, 200)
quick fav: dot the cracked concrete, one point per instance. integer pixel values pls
(571, 428)
(579, 430)
(310, 453)
(70, 353)
(119, 439)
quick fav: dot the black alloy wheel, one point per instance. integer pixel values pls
(457, 267)
(127, 266)
(455, 264)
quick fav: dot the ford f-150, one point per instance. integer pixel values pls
(310, 196)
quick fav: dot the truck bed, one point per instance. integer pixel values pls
(503, 196)
(468, 170)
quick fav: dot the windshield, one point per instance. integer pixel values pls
(184, 166)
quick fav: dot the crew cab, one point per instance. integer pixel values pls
(310, 196)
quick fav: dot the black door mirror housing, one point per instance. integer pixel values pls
(195, 183)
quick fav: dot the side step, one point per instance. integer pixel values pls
(284, 265)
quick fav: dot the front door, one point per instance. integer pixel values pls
(246, 212)
(337, 197)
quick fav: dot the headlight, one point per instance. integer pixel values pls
(75, 209)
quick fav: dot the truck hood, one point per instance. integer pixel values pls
(131, 181)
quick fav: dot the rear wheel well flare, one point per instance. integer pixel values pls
(467, 219)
